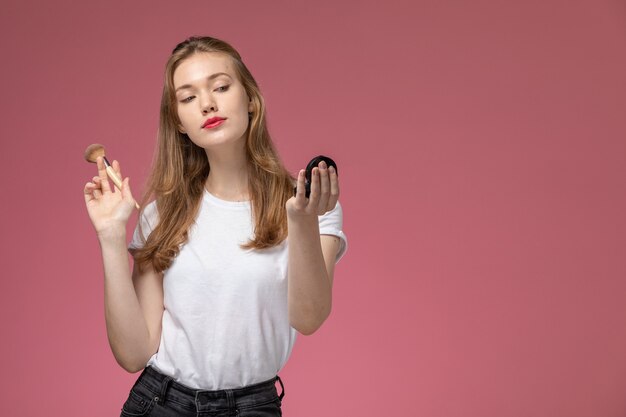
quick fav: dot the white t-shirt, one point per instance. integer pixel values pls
(225, 323)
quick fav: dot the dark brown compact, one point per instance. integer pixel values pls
(309, 169)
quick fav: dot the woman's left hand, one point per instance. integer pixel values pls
(323, 197)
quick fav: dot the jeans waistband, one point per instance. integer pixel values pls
(163, 385)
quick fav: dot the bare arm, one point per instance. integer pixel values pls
(311, 269)
(311, 256)
(133, 306)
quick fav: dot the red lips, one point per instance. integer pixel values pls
(212, 120)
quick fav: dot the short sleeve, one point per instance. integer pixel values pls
(331, 223)
(148, 220)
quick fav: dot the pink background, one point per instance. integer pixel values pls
(481, 149)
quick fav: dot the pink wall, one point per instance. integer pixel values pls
(482, 155)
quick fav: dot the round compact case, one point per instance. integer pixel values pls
(309, 169)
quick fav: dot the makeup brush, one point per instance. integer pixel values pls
(95, 150)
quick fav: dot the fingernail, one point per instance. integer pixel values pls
(331, 169)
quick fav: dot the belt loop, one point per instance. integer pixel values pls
(164, 386)
(230, 398)
(282, 394)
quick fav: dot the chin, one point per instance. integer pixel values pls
(220, 142)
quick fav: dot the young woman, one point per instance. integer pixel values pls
(229, 265)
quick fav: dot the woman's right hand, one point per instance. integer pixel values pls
(108, 208)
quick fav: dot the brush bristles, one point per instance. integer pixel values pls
(93, 151)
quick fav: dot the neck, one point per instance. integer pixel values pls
(228, 174)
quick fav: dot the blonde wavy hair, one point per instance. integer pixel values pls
(180, 169)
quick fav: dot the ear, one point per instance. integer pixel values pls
(181, 129)
(250, 106)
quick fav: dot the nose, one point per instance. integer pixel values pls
(208, 104)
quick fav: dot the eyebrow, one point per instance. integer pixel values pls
(210, 77)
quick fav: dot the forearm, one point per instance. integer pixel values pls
(309, 289)
(125, 323)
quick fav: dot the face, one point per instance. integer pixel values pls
(202, 93)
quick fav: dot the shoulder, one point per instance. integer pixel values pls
(149, 214)
(335, 212)
(331, 223)
(148, 218)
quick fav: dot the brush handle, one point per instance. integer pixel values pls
(116, 180)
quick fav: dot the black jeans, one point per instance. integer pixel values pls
(157, 395)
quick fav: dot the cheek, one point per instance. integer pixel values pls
(183, 117)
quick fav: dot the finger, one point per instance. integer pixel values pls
(97, 192)
(334, 188)
(314, 198)
(324, 188)
(117, 168)
(102, 173)
(301, 190)
(126, 193)
(92, 190)
(88, 192)
(90, 187)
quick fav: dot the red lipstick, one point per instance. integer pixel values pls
(213, 122)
